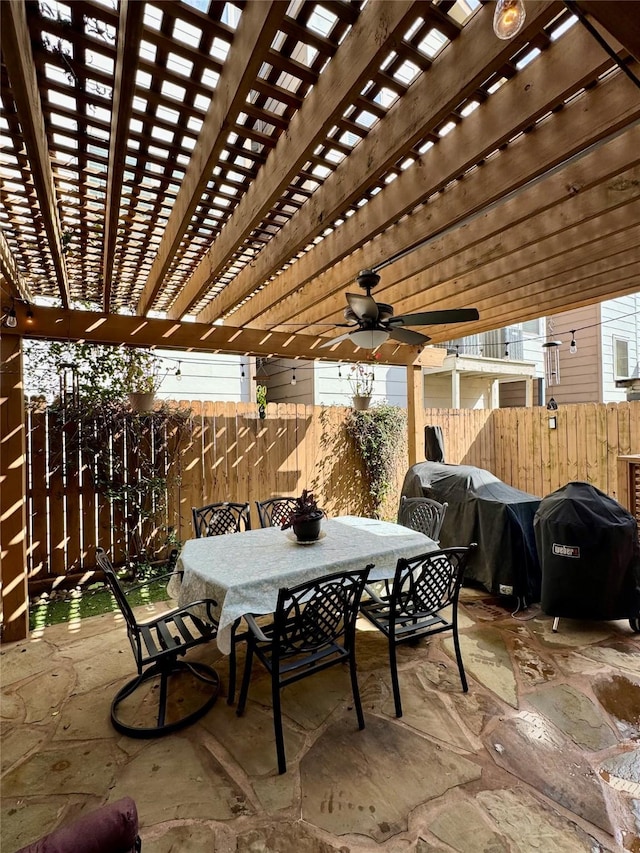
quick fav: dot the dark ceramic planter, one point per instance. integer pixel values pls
(307, 529)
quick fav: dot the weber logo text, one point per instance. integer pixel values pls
(566, 550)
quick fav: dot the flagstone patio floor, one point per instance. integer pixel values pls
(542, 753)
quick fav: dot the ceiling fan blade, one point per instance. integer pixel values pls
(433, 318)
(364, 307)
(408, 336)
(337, 340)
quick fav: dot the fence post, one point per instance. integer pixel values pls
(13, 477)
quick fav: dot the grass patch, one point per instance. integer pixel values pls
(91, 601)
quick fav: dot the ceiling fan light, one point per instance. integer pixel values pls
(508, 19)
(369, 338)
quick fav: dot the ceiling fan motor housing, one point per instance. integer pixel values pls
(367, 280)
(385, 312)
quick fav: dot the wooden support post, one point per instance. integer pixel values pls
(415, 413)
(528, 392)
(455, 388)
(13, 519)
(495, 395)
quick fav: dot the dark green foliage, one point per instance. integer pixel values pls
(377, 434)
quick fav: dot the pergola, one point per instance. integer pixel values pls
(211, 176)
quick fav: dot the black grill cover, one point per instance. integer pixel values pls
(485, 510)
(588, 549)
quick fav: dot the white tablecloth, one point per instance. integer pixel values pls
(244, 571)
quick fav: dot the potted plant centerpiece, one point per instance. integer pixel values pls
(305, 518)
(142, 379)
(361, 382)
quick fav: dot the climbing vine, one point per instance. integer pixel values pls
(378, 435)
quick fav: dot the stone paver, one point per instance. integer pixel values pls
(164, 766)
(574, 714)
(549, 719)
(533, 749)
(340, 798)
(486, 657)
(465, 827)
(532, 826)
(620, 697)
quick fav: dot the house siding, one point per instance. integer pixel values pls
(203, 377)
(579, 372)
(619, 320)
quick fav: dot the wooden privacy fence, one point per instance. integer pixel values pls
(519, 447)
(224, 451)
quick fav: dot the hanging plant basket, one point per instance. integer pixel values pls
(141, 402)
(360, 403)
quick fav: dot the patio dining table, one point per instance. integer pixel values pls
(243, 572)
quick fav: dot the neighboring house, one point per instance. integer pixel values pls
(496, 369)
(607, 337)
(200, 376)
(489, 370)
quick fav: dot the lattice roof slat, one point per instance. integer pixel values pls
(94, 204)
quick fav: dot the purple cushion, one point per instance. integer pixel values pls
(110, 829)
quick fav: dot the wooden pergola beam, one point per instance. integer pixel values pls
(583, 122)
(590, 243)
(619, 18)
(128, 52)
(10, 272)
(561, 202)
(101, 328)
(467, 61)
(537, 89)
(18, 58)
(360, 52)
(257, 28)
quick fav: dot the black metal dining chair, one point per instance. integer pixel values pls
(422, 514)
(275, 512)
(422, 587)
(313, 628)
(157, 646)
(220, 518)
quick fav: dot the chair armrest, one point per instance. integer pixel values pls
(255, 629)
(142, 584)
(209, 603)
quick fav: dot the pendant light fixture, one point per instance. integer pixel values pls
(508, 18)
(573, 346)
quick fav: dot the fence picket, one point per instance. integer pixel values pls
(227, 453)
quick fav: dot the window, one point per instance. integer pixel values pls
(620, 358)
(531, 326)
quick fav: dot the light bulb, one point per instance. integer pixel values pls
(573, 346)
(508, 18)
(11, 321)
(293, 378)
(29, 316)
(179, 373)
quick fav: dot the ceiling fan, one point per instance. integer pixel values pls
(375, 323)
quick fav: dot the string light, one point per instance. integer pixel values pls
(29, 316)
(339, 371)
(293, 377)
(242, 372)
(178, 373)
(10, 321)
(509, 18)
(506, 349)
(457, 351)
(573, 346)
